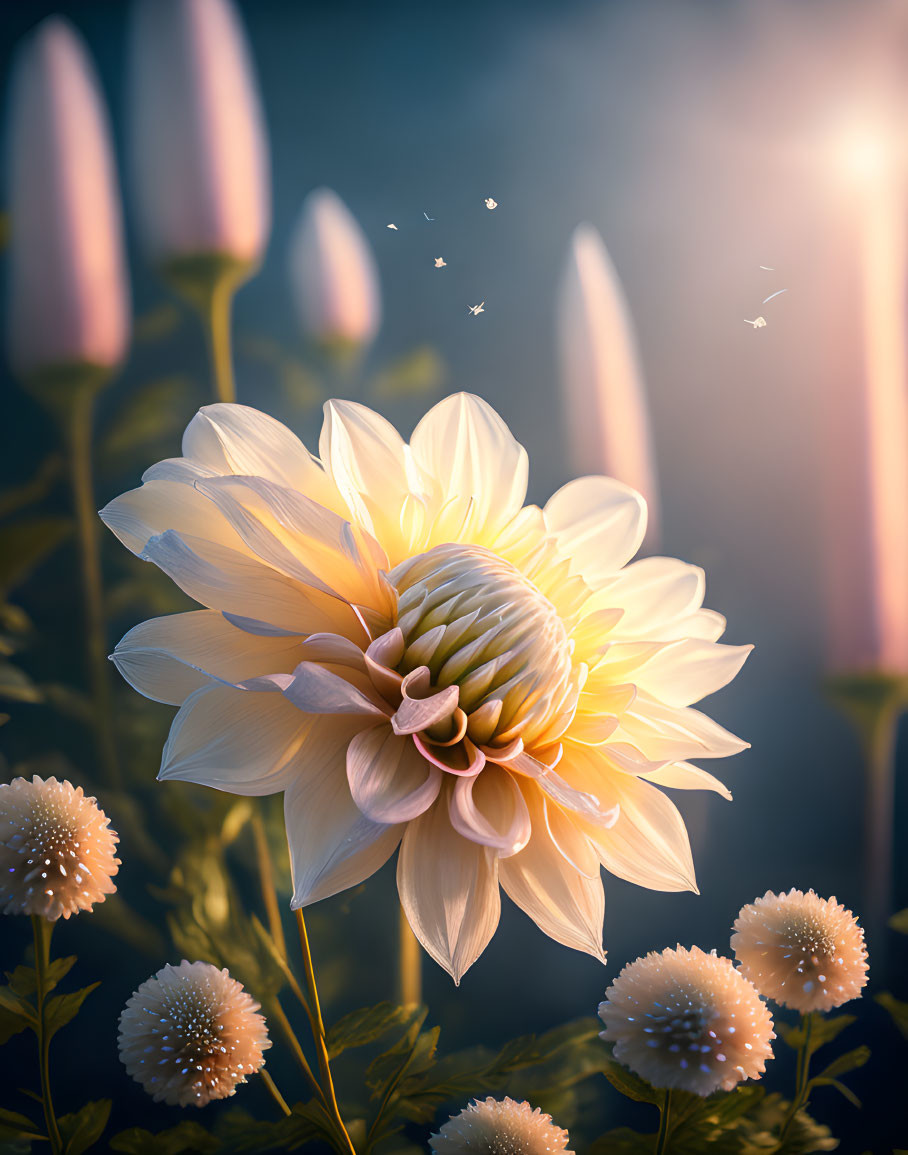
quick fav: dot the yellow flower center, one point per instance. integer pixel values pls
(477, 622)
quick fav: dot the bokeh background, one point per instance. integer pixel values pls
(692, 134)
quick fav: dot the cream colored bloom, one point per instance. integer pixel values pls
(190, 1034)
(800, 950)
(419, 660)
(499, 1127)
(333, 274)
(56, 849)
(687, 1019)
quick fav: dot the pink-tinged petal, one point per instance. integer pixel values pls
(581, 801)
(389, 779)
(684, 776)
(684, 672)
(333, 845)
(169, 658)
(471, 454)
(236, 439)
(566, 905)
(648, 845)
(235, 740)
(68, 298)
(598, 523)
(490, 809)
(333, 650)
(464, 758)
(449, 890)
(224, 579)
(669, 733)
(419, 713)
(333, 273)
(315, 690)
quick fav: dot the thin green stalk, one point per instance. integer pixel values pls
(664, 1123)
(802, 1076)
(266, 883)
(274, 1092)
(279, 1015)
(410, 962)
(318, 1034)
(216, 318)
(42, 931)
(79, 421)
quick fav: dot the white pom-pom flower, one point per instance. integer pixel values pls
(800, 950)
(190, 1034)
(56, 849)
(499, 1127)
(687, 1019)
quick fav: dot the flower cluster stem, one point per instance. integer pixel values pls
(266, 883)
(664, 1124)
(318, 1034)
(217, 331)
(42, 931)
(274, 1092)
(410, 959)
(802, 1077)
(79, 420)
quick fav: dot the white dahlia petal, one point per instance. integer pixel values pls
(598, 523)
(161, 505)
(683, 776)
(688, 670)
(389, 779)
(500, 1127)
(190, 1034)
(652, 593)
(489, 808)
(449, 890)
(687, 1019)
(56, 849)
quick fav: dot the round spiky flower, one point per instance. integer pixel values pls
(417, 659)
(800, 950)
(56, 849)
(687, 1019)
(190, 1034)
(499, 1127)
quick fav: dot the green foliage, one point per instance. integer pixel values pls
(823, 1029)
(365, 1026)
(758, 1131)
(157, 324)
(16, 685)
(896, 1008)
(899, 921)
(150, 422)
(186, 1138)
(25, 543)
(62, 1009)
(16, 1126)
(419, 373)
(85, 1127)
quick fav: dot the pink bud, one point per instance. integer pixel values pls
(608, 426)
(199, 150)
(333, 273)
(68, 291)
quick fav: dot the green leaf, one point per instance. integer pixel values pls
(847, 1062)
(16, 685)
(186, 1137)
(623, 1141)
(824, 1028)
(305, 1123)
(23, 979)
(899, 921)
(69, 702)
(846, 1092)
(365, 1026)
(629, 1084)
(26, 543)
(416, 374)
(153, 416)
(14, 1007)
(85, 1127)
(59, 1010)
(16, 1126)
(157, 323)
(896, 1008)
(412, 1054)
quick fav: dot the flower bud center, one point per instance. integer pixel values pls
(477, 622)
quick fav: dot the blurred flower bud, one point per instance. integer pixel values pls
(608, 425)
(333, 273)
(68, 291)
(199, 151)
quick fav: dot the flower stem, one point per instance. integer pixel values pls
(42, 931)
(274, 1092)
(664, 1123)
(410, 957)
(802, 1075)
(277, 1012)
(318, 1034)
(216, 319)
(79, 418)
(266, 883)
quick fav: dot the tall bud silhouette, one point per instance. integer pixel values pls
(200, 164)
(68, 306)
(603, 390)
(333, 275)
(68, 321)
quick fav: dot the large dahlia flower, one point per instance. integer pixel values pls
(417, 659)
